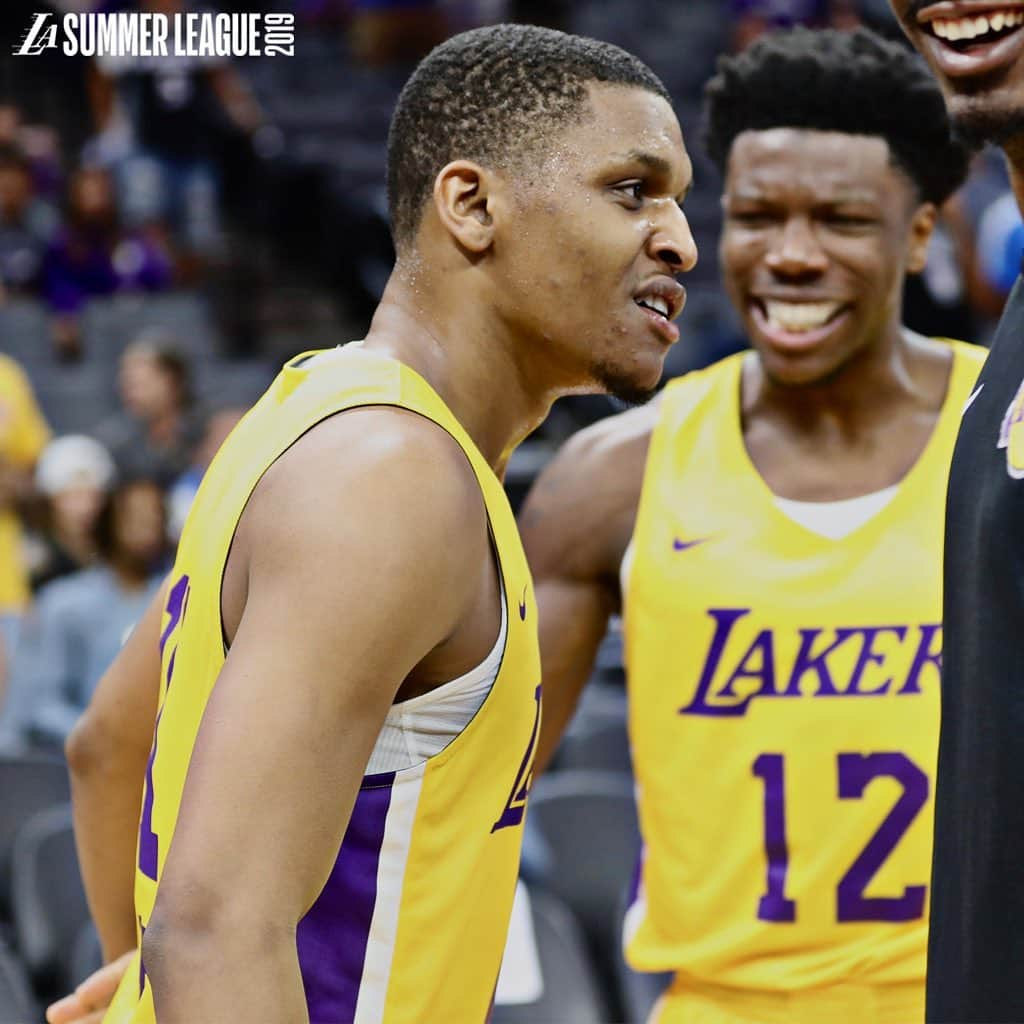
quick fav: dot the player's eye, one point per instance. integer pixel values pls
(632, 190)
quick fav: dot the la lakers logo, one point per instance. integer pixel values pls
(1011, 435)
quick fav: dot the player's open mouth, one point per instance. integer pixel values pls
(797, 324)
(971, 38)
(661, 300)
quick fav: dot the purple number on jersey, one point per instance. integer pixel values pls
(855, 772)
(515, 806)
(773, 905)
(177, 601)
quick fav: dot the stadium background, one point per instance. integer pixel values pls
(169, 235)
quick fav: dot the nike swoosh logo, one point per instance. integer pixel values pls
(970, 401)
(522, 606)
(685, 545)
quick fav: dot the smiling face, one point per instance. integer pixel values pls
(820, 230)
(976, 50)
(585, 261)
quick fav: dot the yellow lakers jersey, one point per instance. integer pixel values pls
(411, 923)
(784, 710)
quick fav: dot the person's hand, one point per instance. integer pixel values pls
(89, 1002)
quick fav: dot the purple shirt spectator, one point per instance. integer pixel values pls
(92, 255)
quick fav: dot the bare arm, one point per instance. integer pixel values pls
(107, 753)
(576, 524)
(347, 593)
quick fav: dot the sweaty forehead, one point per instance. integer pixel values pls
(623, 120)
(825, 164)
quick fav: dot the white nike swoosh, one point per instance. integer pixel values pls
(970, 401)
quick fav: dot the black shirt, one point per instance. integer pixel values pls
(976, 940)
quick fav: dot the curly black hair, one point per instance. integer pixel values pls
(493, 95)
(852, 82)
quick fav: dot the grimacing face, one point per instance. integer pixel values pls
(975, 48)
(588, 259)
(817, 239)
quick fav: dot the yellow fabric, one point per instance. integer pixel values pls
(687, 1003)
(463, 843)
(770, 669)
(23, 435)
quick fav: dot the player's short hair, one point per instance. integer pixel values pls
(852, 82)
(494, 95)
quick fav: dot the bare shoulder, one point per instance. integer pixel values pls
(579, 515)
(372, 486)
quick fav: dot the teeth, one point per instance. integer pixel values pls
(954, 29)
(796, 317)
(658, 304)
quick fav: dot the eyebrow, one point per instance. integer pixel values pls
(833, 200)
(659, 165)
(654, 163)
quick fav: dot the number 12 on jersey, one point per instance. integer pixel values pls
(855, 773)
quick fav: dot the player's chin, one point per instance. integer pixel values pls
(634, 384)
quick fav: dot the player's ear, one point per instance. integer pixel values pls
(462, 199)
(922, 225)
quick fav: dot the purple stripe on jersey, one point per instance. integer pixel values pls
(332, 937)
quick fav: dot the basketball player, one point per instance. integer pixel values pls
(976, 51)
(350, 685)
(771, 528)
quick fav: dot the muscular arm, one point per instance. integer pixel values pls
(353, 579)
(576, 524)
(107, 752)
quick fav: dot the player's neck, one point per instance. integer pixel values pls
(855, 398)
(464, 357)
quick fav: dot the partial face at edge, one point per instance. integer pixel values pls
(977, 58)
(818, 235)
(594, 238)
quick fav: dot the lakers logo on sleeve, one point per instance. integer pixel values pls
(1011, 435)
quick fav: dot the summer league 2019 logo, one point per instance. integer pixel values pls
(152, 34)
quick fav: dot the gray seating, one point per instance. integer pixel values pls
(108, 325)
(570, 993)
(29, 783)
(25, 334)
(76, 398)
(86, 955)
(597, 744)
(17, 1004)
(48, 899)
(589, 824)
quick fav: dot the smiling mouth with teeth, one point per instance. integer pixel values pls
(656, 305)
(973, 30)
(798, 317)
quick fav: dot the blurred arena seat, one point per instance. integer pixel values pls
(29, 783)
(48, 899)
(86, 955)
(588, 822)
(546, 974)
(17, 1005)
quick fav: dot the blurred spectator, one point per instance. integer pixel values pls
(396, 31)
(40, 146)
(73, 476)
(27, 225)
(159, 427)
(23, 435)
(79, 622)
(92, 255)
(174, 111)
(1001, 244)
(752, 18)
(219, 424)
